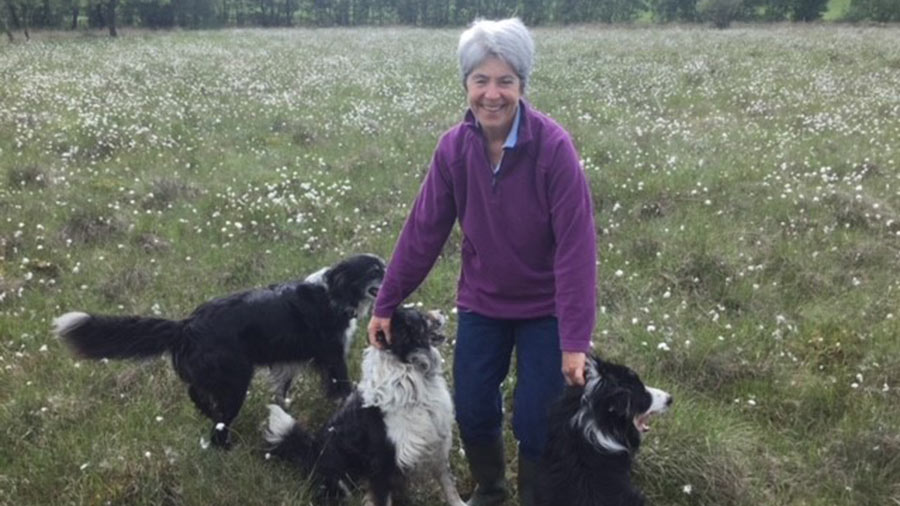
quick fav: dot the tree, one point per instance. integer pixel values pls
(5, 26)
(882, 11)
(719, 12)
(808, 10)
(18, 15)
(565, 11)
(407, 11)
(617, 11)
(72, 7)
(533, 12)
(111, 6)
(664, 11)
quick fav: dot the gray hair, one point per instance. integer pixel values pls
(507, 39)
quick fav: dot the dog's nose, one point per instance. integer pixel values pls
(669, 400)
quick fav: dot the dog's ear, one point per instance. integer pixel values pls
(338, 282)
(420, 362)
(336, 277)
(399, 331)
(619, 401)
(592, 370)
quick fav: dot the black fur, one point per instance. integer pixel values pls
(216, 349)
(576, 469)
(353, 445)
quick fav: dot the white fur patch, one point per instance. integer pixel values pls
(65, 323)
(438, 317)
(348, 337)
(279, 426)
(661, 400)
(415, 402)
(318, 277)
(584, 418)
(281, 374)
(594, 434)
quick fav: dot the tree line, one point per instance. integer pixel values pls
(22, 15)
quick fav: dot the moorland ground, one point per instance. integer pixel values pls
(747, 198)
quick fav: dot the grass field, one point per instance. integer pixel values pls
(746, 186)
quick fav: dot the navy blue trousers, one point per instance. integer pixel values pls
(481, 362)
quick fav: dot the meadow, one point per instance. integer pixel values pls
(747, 200)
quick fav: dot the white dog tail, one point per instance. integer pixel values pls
(101, 336)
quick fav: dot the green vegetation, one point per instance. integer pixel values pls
(24, 15)
(746, 185)
(837, 9)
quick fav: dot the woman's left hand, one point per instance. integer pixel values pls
(573, 367)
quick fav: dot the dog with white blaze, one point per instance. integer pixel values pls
(595, 432)
(399, 420)
(216, 349)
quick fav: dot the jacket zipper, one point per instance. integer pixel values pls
(495, 175)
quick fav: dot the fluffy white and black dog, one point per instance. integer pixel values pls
(398, 420)
(595, 432)
(216, 349)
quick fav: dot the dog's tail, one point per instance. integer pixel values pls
(288, 439)
(99, 336)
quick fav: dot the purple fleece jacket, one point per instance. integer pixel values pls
(529, 243)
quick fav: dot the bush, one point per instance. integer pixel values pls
(882, 11)
(719, 12)
(665, 11)
(810, 10)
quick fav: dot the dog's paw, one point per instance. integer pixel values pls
(221, 436)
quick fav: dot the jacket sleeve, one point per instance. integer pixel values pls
(575, 261)
(426, 230)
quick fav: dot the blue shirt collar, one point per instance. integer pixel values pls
(513, 136)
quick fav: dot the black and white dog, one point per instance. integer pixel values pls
(595, 432)
(216, 349)
(398, 420)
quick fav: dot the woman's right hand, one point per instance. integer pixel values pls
(382, 325)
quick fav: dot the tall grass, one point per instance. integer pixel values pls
(746, 188)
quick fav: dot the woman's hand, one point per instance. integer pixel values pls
(376, 325)
(572, 367)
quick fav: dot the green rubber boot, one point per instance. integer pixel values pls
(487, 464)
(526, 478)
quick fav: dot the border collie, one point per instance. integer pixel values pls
(398, 420)
(217, 347)
(595, 432)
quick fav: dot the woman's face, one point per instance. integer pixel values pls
(493, 90)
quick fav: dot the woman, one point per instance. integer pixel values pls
(512, 178)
